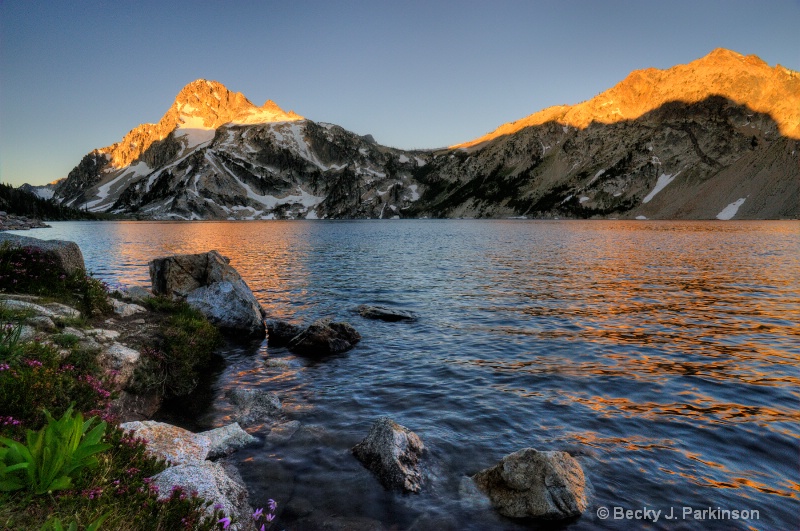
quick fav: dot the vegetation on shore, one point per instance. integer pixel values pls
(23, 203)
(64, 462)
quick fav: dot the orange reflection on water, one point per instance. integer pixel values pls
(265, 267)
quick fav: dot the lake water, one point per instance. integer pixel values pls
(665, 355)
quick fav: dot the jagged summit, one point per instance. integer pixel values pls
(745, 80)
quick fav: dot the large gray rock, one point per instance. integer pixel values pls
(214, 482)
(178, 275)
(533, 484)
(323, 338)
(392, 453)
(230, 306)
(176, 445)
(227, 439)
(67, 256)
(207, 282)
(253, 406)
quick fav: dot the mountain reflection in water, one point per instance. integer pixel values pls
(666, 355)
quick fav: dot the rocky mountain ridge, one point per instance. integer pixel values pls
(717, 137)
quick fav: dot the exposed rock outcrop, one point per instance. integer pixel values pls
(227, 439)
(176, 445)
(120, 359)
(392, 453)
(215, 482)
(124, 309)
(323, 338)
(533, 484)
(207, 282)
(67, 256)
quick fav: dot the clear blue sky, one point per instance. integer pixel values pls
(78, 75)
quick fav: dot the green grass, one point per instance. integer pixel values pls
(183, 348)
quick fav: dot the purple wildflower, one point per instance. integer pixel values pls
(270, 517)
(272, 505)
(225, 522)
(258, 513)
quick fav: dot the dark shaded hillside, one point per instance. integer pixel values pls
(22, 203)
(710, 154)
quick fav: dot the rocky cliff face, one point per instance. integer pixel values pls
(715, 138)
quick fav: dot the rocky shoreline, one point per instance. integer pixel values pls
(12, 222)
(526, 484)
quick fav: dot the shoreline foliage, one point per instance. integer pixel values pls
(90, 474)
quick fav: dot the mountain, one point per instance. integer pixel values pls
(215, 155)
(717, 137)
(45, 191)
(22, 202)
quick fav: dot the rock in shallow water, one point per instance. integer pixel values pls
(208, 283)
(323, 338)
(392, 453)
(254, 405)
(227, 439)
(279, 333)
(533, 484)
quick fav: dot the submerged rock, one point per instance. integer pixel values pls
(382, 313)
(533, 484)
(324, 337)
(392, 453)
(282, 433)
(176, 445)
(254, 406)
(207, 282)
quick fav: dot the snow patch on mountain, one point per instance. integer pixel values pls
(663, 180)
(730, 211)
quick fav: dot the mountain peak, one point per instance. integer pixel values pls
(202, 105)
(745, 80)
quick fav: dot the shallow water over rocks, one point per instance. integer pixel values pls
(663, 355)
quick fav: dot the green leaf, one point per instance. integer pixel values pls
(60, 483)
(94, 526)
(8, 485)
